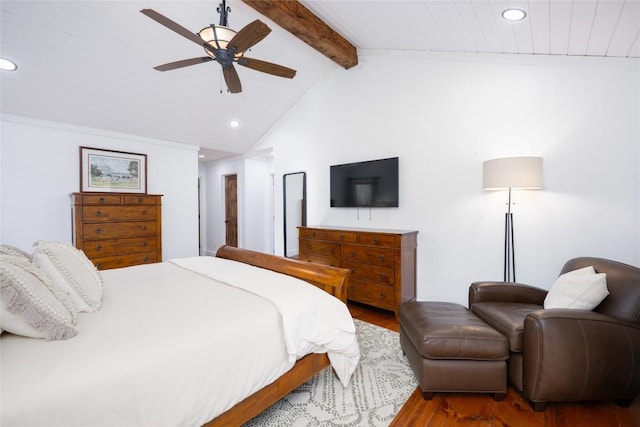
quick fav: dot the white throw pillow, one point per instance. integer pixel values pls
(581, 289)
(72, 270)
(30, 306)
(12, 250)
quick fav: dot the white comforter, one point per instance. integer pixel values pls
(171, 346)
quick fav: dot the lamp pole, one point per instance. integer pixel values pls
(509, 252)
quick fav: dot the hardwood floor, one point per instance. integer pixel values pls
(447, 409)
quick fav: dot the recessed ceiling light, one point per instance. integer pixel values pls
(7, 65)
(234, 123)
(201, 156)
(514, 14)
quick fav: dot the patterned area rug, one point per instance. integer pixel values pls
(381, 384)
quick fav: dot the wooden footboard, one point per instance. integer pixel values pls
(332, 280)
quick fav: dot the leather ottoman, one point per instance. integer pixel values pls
(451, 350)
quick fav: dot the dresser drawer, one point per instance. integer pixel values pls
(118, 230)
(101, 199)
(102, 248)
(140, 200)
(369, 255)
(373, 273)
(325, 249)
(311, 233)
(372, 293)
(341, 236)
(318, 259)
(373, 239)
(118, 213)
(106, 263)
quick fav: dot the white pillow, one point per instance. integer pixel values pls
(581, 289)
(30, 306)
(71, 270)
(12, 250)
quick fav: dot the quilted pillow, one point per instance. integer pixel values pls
(71, 270)
(12, 250)
(581, 289)
(32, 305)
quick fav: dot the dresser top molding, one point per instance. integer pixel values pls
(363, 230)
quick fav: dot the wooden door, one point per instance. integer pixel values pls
(231, 209)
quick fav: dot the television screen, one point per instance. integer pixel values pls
(372, 183)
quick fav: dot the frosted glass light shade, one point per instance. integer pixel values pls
(512, 172)
(223, 34)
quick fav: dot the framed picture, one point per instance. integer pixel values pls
(112, 171)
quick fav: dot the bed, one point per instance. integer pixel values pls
(189, 342)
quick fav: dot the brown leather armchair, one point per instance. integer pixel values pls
(559, 355)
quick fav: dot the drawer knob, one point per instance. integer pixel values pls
(144, 228)
(376, 241)
(101, 200)
(313, 234)
(382, 295)
(383, 277)
(98, 213)
(353, 270)
(144, 243)
(98, 230)
(140, 200)
(331, 251)
(144, 212)
(381, 257)
(146, 259)
(99, 265)
(352, 253)
(98, 248)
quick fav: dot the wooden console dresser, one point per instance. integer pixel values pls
(382, 262)
(118, 229)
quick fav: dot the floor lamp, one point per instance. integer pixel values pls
(524, 173)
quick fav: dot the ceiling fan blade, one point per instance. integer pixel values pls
(267, 67)
(182, 63)
(232, 79)
(249, 35)
(173, 26)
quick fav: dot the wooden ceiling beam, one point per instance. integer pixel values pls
(302, 23)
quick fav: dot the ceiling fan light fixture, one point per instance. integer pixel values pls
(223, 34)
(513, 14)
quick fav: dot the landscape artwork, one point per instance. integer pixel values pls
(112, 171)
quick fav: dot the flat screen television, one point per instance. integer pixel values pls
(372, 184)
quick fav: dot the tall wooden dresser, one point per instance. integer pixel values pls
(118, 229)
(382, 262)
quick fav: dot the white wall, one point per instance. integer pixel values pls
(443, 115)
(40, 169)
(258, 197)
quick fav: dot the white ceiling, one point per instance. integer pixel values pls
(90, 63)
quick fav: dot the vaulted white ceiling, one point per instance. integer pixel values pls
(90, 63)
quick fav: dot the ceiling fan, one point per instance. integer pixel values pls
(223, 45)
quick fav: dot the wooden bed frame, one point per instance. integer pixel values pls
(330, 279)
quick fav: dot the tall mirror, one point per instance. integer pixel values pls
(294, 190)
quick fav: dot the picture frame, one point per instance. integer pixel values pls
(109, 171)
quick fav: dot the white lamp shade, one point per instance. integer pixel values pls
(512, 172)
